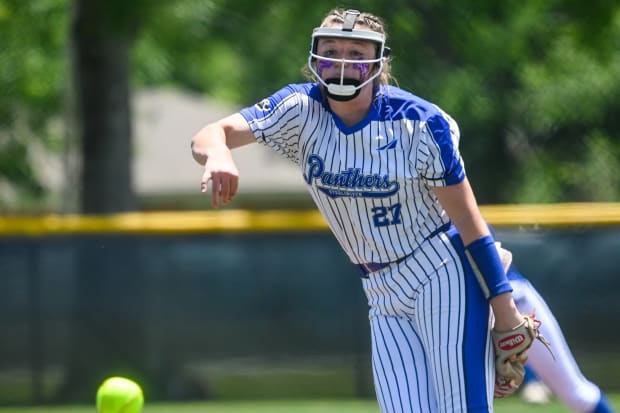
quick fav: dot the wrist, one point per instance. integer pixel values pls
(487, 267)
(505, 311)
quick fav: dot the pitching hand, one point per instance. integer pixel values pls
(224, 177)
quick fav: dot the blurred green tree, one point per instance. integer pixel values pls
(527, 81)
(519, 77)
(102, 34)
(32, 65)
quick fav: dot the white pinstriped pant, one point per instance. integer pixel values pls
(431, 348)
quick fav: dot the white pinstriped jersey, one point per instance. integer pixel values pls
(371, 181)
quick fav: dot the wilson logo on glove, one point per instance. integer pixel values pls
(510, 342)
(511, 348)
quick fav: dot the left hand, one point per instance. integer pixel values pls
(511, 349)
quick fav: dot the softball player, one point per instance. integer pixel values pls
(561, 375)
(383, 167)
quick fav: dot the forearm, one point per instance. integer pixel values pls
(490, 272)
(459, 202)
(487, 266)
(220, 137)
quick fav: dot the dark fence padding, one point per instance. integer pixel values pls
(203, 299)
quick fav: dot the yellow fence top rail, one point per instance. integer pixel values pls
(567, 214)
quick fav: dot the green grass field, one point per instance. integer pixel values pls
(510, 405)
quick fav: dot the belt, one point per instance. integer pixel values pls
(368, 267)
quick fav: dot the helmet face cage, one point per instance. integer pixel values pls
(342, 88)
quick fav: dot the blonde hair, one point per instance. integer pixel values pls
(365, 21)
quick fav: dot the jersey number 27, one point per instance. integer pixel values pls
(384, 216)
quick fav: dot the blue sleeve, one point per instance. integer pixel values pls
(444, 165)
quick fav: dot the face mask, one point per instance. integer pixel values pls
(342, 88)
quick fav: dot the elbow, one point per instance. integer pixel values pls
(201, 137)
(198, 157)
(199, 144)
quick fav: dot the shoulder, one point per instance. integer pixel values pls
(290, 97)
(310, 90)
(401, 104)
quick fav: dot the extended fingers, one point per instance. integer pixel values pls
(223, 187)
(216, 182)
(234, 186)
(204, 182)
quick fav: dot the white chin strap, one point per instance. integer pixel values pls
(341, 90)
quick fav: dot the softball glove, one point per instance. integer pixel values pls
(511, 349)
